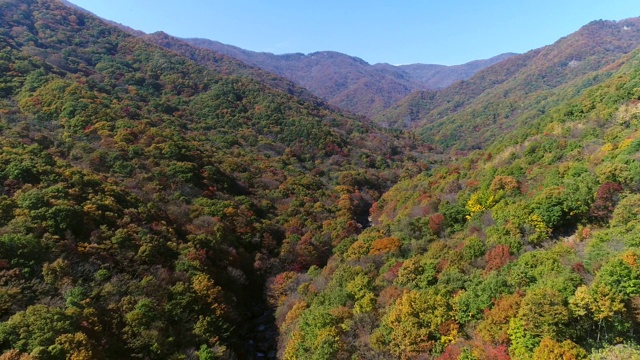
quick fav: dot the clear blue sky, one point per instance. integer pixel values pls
(396, 32)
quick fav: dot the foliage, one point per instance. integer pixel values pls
(411, 325)
(531, 238)
(147, 195)
(155, 203)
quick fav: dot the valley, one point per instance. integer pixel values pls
(168, 198)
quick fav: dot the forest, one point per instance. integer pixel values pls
(162, 201)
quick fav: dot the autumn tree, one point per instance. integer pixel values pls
(410, 326)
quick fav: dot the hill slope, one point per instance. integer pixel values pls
(475, 111)
(145, 198)
(349, 82)
(524, 250)
(227, 65)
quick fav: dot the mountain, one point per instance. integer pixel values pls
(229, 66)
(161, 201)
(147, 194)
(349, 82)
(441, 76)
(474, 112)
(214, 60)
(524, 249)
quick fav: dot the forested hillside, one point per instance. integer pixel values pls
(471, 114)
(526, 249)
(146, 196)
(227, 65)
(162, 201)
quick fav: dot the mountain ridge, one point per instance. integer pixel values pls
(472, 105)
(342, 80)
(348, 81)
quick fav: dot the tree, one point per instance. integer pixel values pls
(543, 312)
(497, 257)
(416, 273)
(605, 202)
(385, 245)
(471, 303)
(495, 324)
(626, 211)
(550, 349)
(411, 325)
(36, 329)
(522, 342)
(508, 184)
(360, 288)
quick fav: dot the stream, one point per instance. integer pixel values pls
(262, 334)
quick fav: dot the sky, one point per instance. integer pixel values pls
(446, 32)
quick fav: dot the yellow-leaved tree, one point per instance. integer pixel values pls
(411, 325)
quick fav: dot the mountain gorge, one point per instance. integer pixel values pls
(162, 200)
(349, 82)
